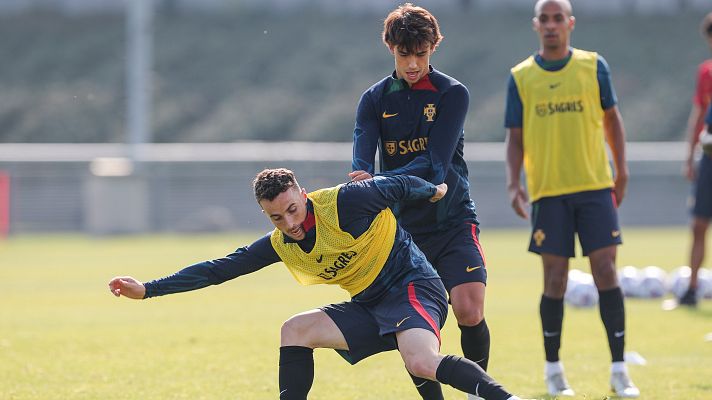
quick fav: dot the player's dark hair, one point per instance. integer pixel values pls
(269, 183)
(706, 25)
(411, 28)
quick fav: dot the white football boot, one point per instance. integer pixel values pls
(621, 383)
(556, 383)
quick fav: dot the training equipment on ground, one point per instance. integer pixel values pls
(580, 290)
(652, 284)
(629, 278)
(679, 280)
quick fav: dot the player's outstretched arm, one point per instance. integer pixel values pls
(128, 287)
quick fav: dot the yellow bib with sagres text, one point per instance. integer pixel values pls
(562, 127)
(337, 258)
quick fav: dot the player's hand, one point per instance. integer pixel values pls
(127, 286)
(359, 176)
(441, 191)
(620, 185)
(520, 201)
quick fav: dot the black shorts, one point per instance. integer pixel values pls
(592, 215)
(456, 254)
(702, 207)
(370, 328)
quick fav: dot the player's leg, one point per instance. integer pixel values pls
(300, 335)
(599, 233)
(553, 238)
(701, 212)
(459, 259)
(697, 255)
(468, 300)
(363, 337)
(424, 306)
(419, 349)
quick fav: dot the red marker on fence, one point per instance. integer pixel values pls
(4, 204)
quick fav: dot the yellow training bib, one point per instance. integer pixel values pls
(337, 258)
(562, 127)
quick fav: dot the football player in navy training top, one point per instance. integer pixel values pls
(415, 117)
(345, 235)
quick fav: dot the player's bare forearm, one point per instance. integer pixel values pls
(515, 159)
(615, 136)
(695, 119)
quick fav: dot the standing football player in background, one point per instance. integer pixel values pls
(415, 116)
(561, 110)
(702, 176)
(348, 236)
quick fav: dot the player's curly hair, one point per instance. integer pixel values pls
(411, 28)
(269, 183)
(706, 25)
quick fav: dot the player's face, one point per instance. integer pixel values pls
(287, 212)
(412, 66)
(554, 25)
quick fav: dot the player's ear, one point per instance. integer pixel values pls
(304, 194)
(535, 22)
(572, 22)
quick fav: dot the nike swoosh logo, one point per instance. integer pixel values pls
(554, 85)
(550, 334)
(386, 115)
(619, 334)
(401, 321)
(321, 257)
(470, 269)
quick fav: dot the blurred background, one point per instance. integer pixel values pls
(141, 116)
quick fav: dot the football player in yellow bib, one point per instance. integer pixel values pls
(561, 112)
(348, 236)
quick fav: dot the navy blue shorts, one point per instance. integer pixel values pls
(456, 254)
(591, 214)
(702, 207)
(370, 328)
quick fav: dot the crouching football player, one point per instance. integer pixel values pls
(345, 235)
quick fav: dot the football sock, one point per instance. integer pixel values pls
(613, 316)
(475, 342)
(467, 376)
(552, 317)
(429, 390)
(296, 372)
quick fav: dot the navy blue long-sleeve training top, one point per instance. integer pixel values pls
(358, 204)
(418, 131)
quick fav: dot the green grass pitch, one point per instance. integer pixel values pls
(64, 336)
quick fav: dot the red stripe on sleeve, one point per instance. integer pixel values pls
(419, 308)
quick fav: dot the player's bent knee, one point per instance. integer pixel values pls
(469, 317)
(422, 367)
(295, 332)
